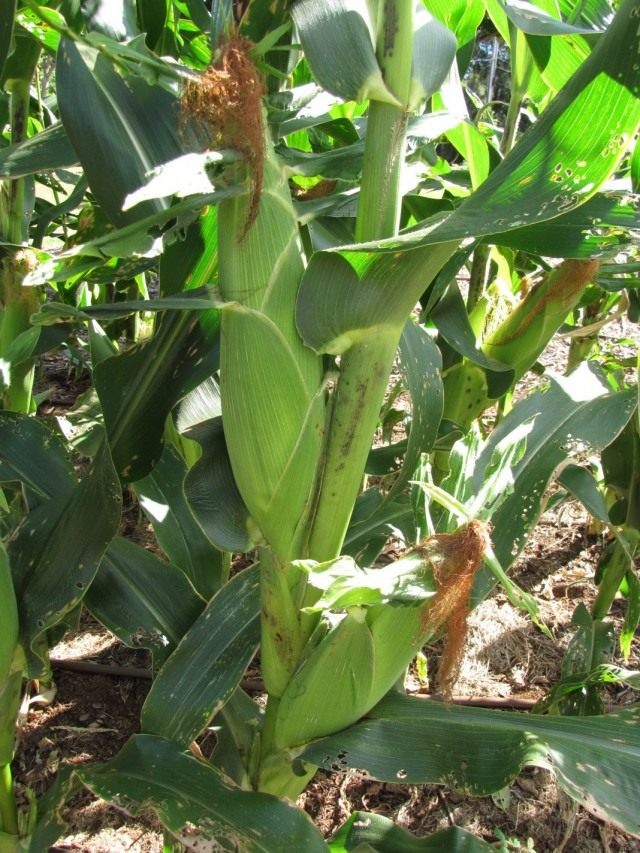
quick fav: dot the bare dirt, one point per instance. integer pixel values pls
(506, 658)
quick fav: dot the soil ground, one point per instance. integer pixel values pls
(506, 658)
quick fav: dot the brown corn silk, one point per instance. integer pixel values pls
(224, 107)
(455, 558)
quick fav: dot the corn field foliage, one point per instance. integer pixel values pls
(256, 226)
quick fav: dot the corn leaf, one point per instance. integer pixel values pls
(350, 69)
(197, 803)
(10, 626)
(557, 58)
(48, 150)
(602, 224)
(56, 552)
(212, 493)
(7, 18)
(374, 832)
(452, 321)
(138, 389)
(531, 19)
(596, 14)
(120, 128)
(576, 414)
(204, 670)
(479, 752)
(33, 455)
(141, 599)
(434, 49)
(162, 498)
(459, 16)
(50, 824)
(200, 299)
(421, 364)
(345, 297)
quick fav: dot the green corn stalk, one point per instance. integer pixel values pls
(17, 303)
(356, 658)
(365, 366)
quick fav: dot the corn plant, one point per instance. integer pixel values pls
(245, 423)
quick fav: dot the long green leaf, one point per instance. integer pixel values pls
(212, 493)
(10, 627)
(144, 601)
(162, 497)
(199, 805)
(120, 128)
(45, 151)
(601, 224)
(7, 17)
(138, 389)
(576, 413)
(421, 363)
(531, 19)
(56, 552)
(33, 455)
(205, 669)
(479, 751)
(372, 831)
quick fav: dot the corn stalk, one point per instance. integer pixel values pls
(17, 303)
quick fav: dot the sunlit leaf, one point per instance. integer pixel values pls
(197, 803)
(479, 751)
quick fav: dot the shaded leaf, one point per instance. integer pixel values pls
(197, 803)
(204, 670)
(138, 389)
(45, 151)
(123, 124)
(56, 551)
(31, 454)
(575, 414)
(7, 17)
(144, 601)
(162, 498)
(212, 493)
(377, 833)
(531, 19)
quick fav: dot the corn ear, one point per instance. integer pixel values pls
(521, 337)
(466, 394)
(397, 634)
(262, 269)
(273, 425)
(331, 688)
